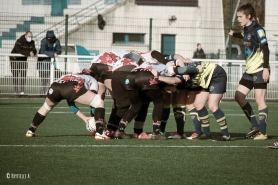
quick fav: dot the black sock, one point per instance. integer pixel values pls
(248, 111)
(196, 121)
(99, 117)
(204, 118)
(222, 122)
(37, 120)
(179, 113)
(164, 118)
(263, 113)
(156, 127)
(122, 126)
(138, 130)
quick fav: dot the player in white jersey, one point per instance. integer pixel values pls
(80, 88)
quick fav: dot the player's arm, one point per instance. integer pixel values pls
(169, 80)
(82, 116)
(187, 70)
(191, 68)
(236, 35)
(174, 80)
(76, 111)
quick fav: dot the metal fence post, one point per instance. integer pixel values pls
(66, 40)
(150, 38)
(230, 27)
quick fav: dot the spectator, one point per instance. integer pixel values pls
(25, 46)
(51, 47)
(199, 53)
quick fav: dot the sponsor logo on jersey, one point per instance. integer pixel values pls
(263, 41)
(50, 91)
(261, 33)
(248, 36)
(126, 81)
(254, 78)
(247, 44)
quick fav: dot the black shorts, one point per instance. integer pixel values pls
(119, 87)
(141, 80)
(253, 80)
(181, 86)
(105, 75)
(218, 81)
(98, 69)
(195, 88)
(60, 91)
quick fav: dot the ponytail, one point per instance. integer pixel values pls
(248, 9)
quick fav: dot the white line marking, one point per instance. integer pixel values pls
(127, 146)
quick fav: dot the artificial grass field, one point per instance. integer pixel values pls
(64, 153)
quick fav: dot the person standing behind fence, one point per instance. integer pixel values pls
(51, 47)
(25, 46)
(257, 70)
(199, 53)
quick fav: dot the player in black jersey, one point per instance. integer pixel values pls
(257, 70)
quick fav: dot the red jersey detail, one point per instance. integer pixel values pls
(108, 58)
(153, 81)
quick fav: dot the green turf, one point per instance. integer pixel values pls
(64, 153)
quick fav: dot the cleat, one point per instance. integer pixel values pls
(135, 135)
(110, 133)
(158, 137)
(162, 133)
(204, 137)
(173, 133)
(121, 135)
(222, 138)
(29, 134)
(177, 136)
(92, 133)
(273, 145)
(193, 136)
(101, 137)
(260, 136)
(144, 135)
(253, 132)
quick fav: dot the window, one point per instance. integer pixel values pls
(128, 38)
(184, 3)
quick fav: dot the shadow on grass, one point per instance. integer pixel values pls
(67, 135)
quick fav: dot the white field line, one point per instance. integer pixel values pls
(149, 113)
(126, 146)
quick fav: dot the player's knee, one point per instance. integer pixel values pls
(239, 97)
(212, 108)
(97, 101)
(47, 106)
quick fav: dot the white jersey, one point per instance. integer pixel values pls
(83, 80)
(109, 58)
(151, 63)
(124, 62)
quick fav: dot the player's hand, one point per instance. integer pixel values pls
(231, 33)
(86, 119)
(266, 75)
(55, 55)
(31, 54)
(186, 77)
(154, 72)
